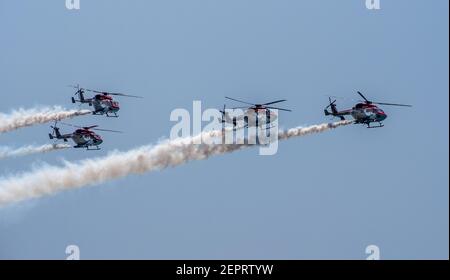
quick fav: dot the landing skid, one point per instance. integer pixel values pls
(103, 113)
(97, 148)
(378, 126)
(114, 116)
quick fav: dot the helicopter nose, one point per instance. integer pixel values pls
(381, 116)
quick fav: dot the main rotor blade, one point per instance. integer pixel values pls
(281, 109)
(331, 104)
(392, 104)
(113, 93)
(241, 107)
(239, 100)
(109, 130)
(89, 127)
(273, 102)
(68, 124)
(77, 87)
(96, 91)
(121, 94)
(363, 97)
(92, 90)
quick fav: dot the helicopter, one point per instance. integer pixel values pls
(83, 137)
(365, 112)
(253, 114)
(103, 102)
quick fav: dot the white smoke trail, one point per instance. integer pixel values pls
(28, 117)
(6, 152)
(51, 179)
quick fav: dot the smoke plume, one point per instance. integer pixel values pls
(49, 180)
(28, 117)
(6, 152)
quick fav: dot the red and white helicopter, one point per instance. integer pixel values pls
(365, 112)
(83, 137)
(103, 102)
(253, 115)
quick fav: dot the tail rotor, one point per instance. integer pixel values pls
(332, 105)
(334, 111)
(56, 134)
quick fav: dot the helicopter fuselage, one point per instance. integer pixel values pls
(104, 104)
(83, 138)
(363, 113)
(367, 113)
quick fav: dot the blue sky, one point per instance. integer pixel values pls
(325, 196)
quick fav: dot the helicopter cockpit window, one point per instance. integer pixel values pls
(86, 137)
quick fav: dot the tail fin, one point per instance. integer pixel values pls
(333, 106)
(334, 110)
(80, 92)
(56, 134)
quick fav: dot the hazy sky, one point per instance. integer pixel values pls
(324, 196)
